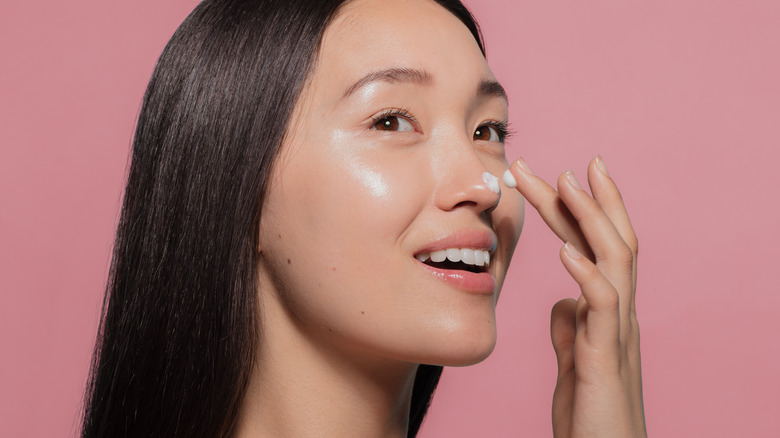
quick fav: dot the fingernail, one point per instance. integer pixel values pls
(524, 166)
(573, 179)
(572, 252)
(509, 179)
(600, 163)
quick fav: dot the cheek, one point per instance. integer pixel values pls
(341, 200)
(369, 180)
(508, 220)
(378, 191)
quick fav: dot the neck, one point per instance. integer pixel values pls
(302, 387)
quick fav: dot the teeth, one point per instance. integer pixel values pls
(479, 259)
(468, 256)
(453, 254)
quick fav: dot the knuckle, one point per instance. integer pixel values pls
(612, 301)
(608, 300)
(633, 244)
(632, 319)
(624, 254)
(592, 274)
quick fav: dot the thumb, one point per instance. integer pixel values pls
(562, 332)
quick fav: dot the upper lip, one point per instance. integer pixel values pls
(474, 239)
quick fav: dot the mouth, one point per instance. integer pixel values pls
(457, 259)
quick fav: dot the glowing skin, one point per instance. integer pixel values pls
(383, 163)
(354, 203)
(370, 179)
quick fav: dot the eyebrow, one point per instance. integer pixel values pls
(491, 88)
(486, 88)
(391, 75)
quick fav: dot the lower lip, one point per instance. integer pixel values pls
(479, 283)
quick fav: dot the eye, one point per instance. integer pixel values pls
(393, 123)
(494, 131)
(394, 120)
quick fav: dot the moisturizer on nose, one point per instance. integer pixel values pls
(492, 182)
(509, 179)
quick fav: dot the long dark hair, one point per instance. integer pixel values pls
(179, 327)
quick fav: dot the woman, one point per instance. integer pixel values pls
(313, 226)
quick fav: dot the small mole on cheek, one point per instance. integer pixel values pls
(362, 312)
(330, 330)
(289, 262)
(333, 269)
(279, 236)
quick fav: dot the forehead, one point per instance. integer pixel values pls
(368, 35)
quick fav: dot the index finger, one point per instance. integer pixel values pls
(551, 208)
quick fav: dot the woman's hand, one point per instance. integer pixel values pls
(596, 337)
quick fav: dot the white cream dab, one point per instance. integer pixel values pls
(492, 182)
(509, 179)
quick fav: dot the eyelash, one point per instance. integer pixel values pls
(502, 127)
(394, 112)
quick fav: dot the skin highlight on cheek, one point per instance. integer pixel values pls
(370, 179)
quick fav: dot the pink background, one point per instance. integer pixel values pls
(682, 99)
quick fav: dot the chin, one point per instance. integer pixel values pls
(461, 349)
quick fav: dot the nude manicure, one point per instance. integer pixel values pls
(573, 179)
(572, 251)
(523, 165)
(600, 163)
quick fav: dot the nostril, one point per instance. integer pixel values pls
(466, 204)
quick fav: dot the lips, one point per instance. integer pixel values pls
(461, 259)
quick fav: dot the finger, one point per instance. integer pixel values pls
(562, 333)
(602, 329)
(606, 192)
(552, 210)
(563, 405)
(613, 256)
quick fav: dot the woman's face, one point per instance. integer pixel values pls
(383, 165)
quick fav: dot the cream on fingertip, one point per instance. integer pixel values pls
(509, 179)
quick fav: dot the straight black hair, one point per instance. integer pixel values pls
(179, 327)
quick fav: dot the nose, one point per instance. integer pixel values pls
(464, 181)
